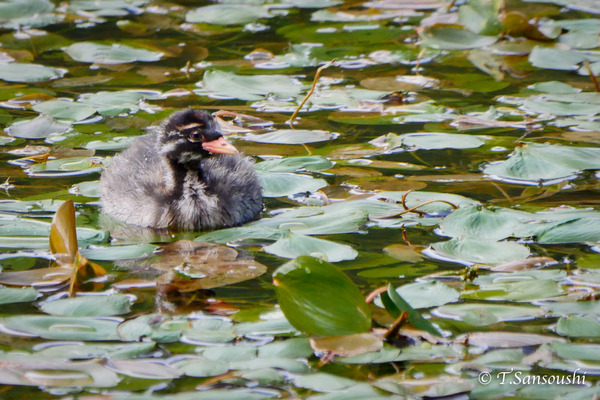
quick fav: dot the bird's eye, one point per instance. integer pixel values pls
(195, 136)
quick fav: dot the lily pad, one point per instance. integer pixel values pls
(452, 38)
(278, 184)
(292, 136)
(482, 223)
(227, 14)
(427, 294)
(20, 72)
(37, 128)
(61, 328)
(14, 295)
(487, 314)
(64, 109)
(471, 251)
(296, 245)
(90, 52)
(293, 164)
(536, 163)
(89, 306)
(252, 87)
(431, 141)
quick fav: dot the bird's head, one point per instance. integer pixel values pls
(191, 135)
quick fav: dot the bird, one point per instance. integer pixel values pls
(183, 176)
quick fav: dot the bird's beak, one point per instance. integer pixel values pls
(219, 146)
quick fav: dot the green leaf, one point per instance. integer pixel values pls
(19, 72)
(253, 87)
(113, 103)
(319, 299)
(90, 52)
(427, 294)
(37, 128)
(480, 251)
(434, 141)
(575, 326)
(483, 223)
(61, 328)
(451, 38)
(526, 290)
(201, 367)
(296, 245)
(539, 162)
(63, 109)
(323, 382)
(278, 184)
(292, 136)
(575, 231)
(414, 317)
(89, 306)
(14, 295)
(122, 252)
(293, 164)
(486, 314)
(226, 14)
(551, 58)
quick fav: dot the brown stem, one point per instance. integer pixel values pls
(592, 76)
(310, 92)
(395, 328)
(375, 293)
(416, 207)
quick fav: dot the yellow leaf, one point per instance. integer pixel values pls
(63, 236)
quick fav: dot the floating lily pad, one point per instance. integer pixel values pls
(534, 163)
(16, 14)
(252, 87)
(482, 223)
(89, 306)
(19, 72)
(292, 136)
(427, 294)
(113, 103)
(227, 14)
(575, 326)
(90, 52)
(293, 164)
(487, 314)
(61, 328)
(64, 109)
(32, 370)
(451, 38)
(278, 184)
(470, 251)
(431, 141)
(37, 128)
(14, 295)
(295, 245)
